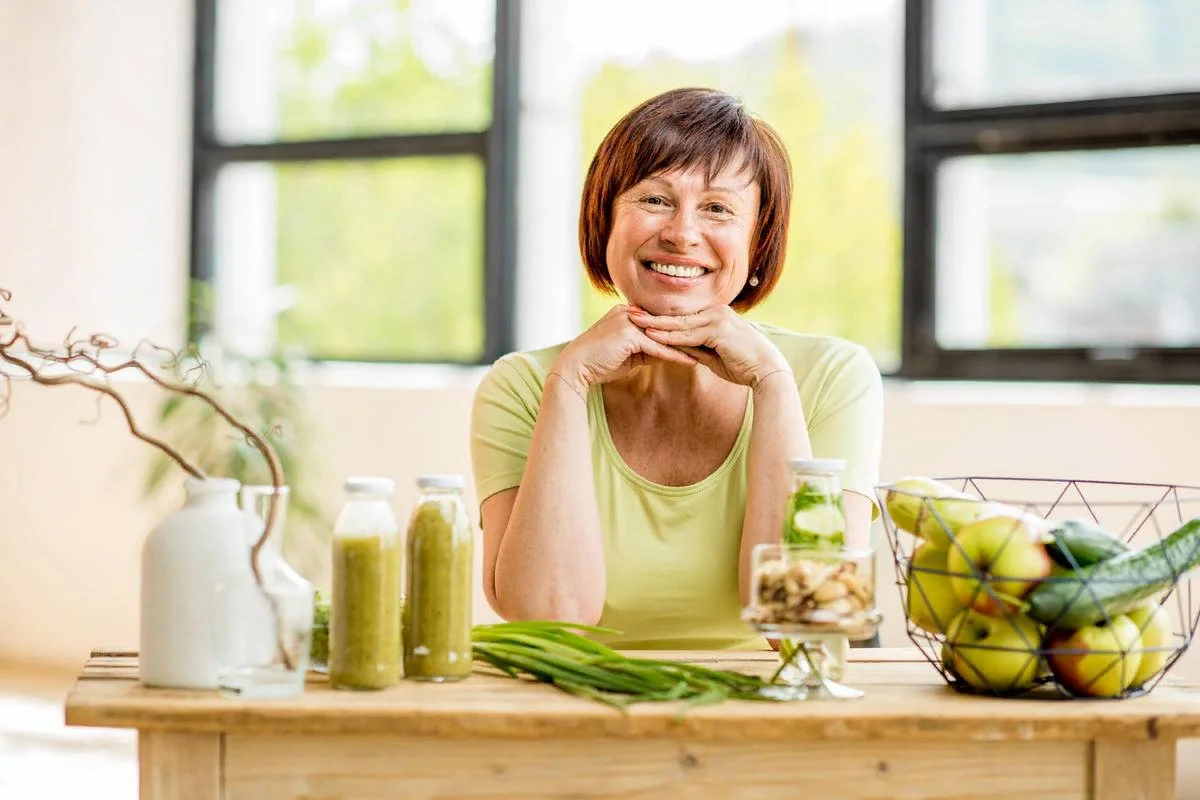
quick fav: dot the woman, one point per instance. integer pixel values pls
(625, 476)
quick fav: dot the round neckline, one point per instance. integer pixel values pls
(596, 399)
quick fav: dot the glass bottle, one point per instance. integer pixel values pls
(267, 608)
(440, 559)
(815, 519)
(364, 614)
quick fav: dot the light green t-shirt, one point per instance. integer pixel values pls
(671, 552)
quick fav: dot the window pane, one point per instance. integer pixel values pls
(298, 69)
(827, 76)
(996, 52)
(1076, 249)
(362, 260)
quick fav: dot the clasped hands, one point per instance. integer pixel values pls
(717, 338)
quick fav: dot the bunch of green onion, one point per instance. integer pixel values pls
(558, 654)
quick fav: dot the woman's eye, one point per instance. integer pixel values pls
(654, 200)
(717, 208)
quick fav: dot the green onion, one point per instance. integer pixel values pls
(560, 655)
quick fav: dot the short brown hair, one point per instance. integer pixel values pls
(683, 129)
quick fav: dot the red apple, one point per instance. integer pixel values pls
(1100, 660)
(1007, 552)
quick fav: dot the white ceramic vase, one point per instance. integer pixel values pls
(183, 558)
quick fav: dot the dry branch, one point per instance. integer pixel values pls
(80, 363)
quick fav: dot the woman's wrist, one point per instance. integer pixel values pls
(776, 376)
(567, 373)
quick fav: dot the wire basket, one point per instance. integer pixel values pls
(1045, 587)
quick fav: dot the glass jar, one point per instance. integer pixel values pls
(814, 515)
(440, 559)
(364, 613)
(815, 519)
(813, 599)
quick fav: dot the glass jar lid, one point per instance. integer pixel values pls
(369, 485)
(440, 482)
(818, 466)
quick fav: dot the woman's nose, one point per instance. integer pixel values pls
(682, 230)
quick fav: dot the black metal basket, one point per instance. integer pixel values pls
(1045, 587)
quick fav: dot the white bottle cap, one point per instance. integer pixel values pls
(370, 485)
(818, 466)
(440, 482)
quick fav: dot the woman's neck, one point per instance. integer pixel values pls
(666, 382)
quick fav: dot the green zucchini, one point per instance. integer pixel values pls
(1117, 585)
(1085, 542)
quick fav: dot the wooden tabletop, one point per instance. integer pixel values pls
(906, 699)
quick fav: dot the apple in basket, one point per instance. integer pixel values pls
(997, 654)
(1099, 660)
(1155, 626)
(932, 601)
(997, 560)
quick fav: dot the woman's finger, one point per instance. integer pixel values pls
(692, 337)
(662, 351)
(706, 358)
(680, 323)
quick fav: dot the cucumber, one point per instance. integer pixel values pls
(1117, 585)
(1084, 541)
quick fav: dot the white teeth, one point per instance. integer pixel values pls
(676, 270)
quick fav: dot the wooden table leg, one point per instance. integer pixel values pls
(179, 766)
(1133, 770)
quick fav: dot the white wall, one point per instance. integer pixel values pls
(93, 216)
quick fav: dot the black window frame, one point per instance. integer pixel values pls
(495, 145)
(933, 134)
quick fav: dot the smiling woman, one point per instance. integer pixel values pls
(625, 476)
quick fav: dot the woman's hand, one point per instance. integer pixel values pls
(719, 339)
(610, 349)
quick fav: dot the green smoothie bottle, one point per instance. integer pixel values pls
(364, 613)
(439, 564)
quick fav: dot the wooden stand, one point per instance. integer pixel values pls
(490, 737)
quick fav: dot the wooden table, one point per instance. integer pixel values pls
(491, 737)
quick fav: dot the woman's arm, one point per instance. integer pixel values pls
(543, 548)
(543, 556)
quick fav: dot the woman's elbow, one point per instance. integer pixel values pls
(524, 606)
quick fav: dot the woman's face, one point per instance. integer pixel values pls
(680, 244)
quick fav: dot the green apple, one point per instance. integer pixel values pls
(999, 654)
(932, 603)
(1099, 660)
(1154, 624)
(1007, 552)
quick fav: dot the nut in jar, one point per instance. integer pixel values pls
(817, 591)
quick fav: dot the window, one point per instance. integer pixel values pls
(1052, 190)
(353, 186)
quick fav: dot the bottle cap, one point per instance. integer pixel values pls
(370, 485)
(818, 466)
(440, 482)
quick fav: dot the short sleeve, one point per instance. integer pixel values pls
(503, 415)
(848, 423)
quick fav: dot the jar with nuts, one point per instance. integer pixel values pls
(812, 599)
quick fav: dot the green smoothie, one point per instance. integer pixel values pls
(364, 621)
(437, 624)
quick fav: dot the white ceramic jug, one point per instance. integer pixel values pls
(183, 559)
